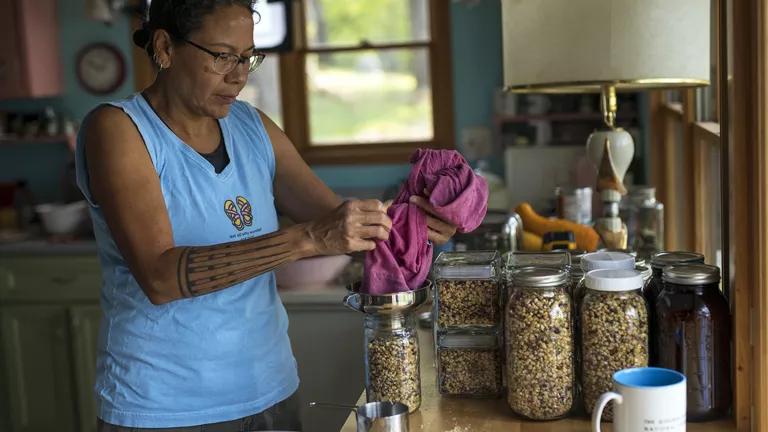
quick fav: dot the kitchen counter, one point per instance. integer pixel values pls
(41, 247)
(444, 414)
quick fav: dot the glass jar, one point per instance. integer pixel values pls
(559, 259)
(656, 286)
(614, 330)
(694, 336)
(469, 364)
(589, 262)
(645, 222)
(576, 273)
(392, 359)
(646, 273)
(601, 261)
(539, 341)
(467, 290)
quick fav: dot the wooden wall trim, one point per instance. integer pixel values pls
(705, 138)
(760, 130)
(688, 174)
(748, 208)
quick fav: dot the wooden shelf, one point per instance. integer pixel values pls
(560, 117)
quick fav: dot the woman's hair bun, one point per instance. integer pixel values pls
(141, 37)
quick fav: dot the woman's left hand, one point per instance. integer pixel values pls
(440, 231)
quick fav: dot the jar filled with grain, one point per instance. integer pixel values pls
(469, 364)
(467, 290)
(392, 359)
(614, 330)
(539, 341)
(593, 261)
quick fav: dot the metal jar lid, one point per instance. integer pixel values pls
(539, 277)
(692, 274)
(663, 259)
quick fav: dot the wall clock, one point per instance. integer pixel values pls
(100, 68)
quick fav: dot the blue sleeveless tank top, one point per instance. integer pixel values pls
(208, 359)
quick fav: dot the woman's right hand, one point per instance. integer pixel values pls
(353, 226)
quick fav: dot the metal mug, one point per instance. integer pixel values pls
(375, 416)
(382, 417)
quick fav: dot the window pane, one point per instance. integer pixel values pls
(349, 22)
(369, 96)
(263, 89)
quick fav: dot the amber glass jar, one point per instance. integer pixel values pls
(693, 325)
(656, 286)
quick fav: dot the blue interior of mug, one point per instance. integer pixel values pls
(648, 377)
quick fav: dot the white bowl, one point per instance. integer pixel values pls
(63, 218)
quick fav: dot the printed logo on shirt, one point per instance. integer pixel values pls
(239, 212)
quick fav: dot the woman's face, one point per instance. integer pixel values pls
(229, 29)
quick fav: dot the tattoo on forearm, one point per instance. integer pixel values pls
(206, 269)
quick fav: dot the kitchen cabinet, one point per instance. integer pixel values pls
(37, 364)
(49, 324)
(327, 341)
(49, 317)
(30, 65)
(84, 328)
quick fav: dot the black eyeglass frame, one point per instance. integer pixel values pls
(253, 61)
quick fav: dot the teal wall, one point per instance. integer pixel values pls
(43, 164)
(476, 47)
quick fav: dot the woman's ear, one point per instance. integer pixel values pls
(163, 48)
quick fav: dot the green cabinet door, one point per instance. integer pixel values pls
(84, 321)
(35, 347)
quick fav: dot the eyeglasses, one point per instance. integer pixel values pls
(224, 63)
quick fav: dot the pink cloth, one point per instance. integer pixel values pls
(459, 197)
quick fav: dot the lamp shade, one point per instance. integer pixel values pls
(579, 45)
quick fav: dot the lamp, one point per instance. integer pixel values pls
(605, 46)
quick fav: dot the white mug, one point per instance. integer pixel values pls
(645, 400)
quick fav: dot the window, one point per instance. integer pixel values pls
(368, 80)
(687, 154)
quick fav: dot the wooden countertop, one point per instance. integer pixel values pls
(445, 414)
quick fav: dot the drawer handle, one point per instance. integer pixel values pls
(63, 280)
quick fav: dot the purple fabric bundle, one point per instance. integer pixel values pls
(459, 197)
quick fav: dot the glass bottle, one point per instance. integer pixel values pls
(392, 369)
(648, 236)
(539, 341)
(694, 337)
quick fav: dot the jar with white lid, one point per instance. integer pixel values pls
(614, 330)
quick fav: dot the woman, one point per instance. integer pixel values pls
(184, 182)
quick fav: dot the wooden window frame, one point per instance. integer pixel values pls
(741, 135)
(296, 109)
